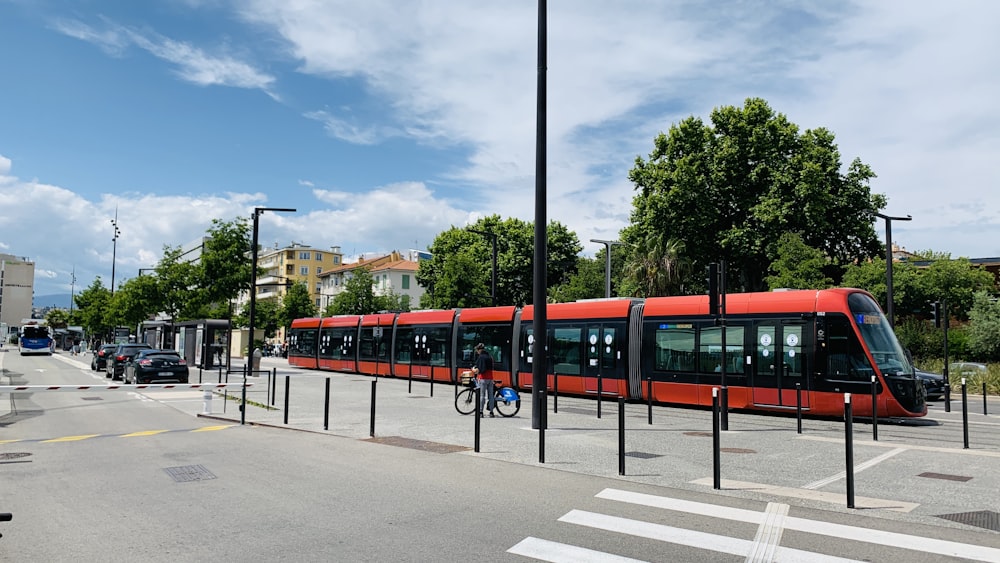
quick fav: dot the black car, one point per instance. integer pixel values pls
(933, 384)
(101, 355)
(122, 354)
(156, 366)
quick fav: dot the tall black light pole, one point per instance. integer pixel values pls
(493, 242)
(888, 264)
(257, 211)
(114, 249)
(539, 370)
(607, 263)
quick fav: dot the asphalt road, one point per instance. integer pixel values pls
(123, 477)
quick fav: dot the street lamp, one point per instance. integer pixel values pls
(257, 211)
(72, 289)
(607, 263)
(888, 263)
(114, 249)
(493, 242)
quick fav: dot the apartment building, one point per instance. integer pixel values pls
(17, 288)
(392, 273)
(293, 264)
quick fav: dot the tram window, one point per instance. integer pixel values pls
(710, 350)
(565, 350)
(846, 360)
(674, 348)
(496, 339)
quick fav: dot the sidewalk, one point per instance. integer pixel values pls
(917, 471)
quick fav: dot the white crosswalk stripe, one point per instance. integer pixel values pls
(764, 547)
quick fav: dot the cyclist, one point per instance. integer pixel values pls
(484, 378)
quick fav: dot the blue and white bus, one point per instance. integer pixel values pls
(35, 338)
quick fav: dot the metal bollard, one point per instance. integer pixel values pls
(798, 406)
(649, 398)
(849, 448)
(716, 453)
(243, 402)
(621, 435)
(947, 395)
(541, 428)
(984, 396)
(874, 409)
(477, 414)
(724, 407)
(965, 415)
(555, 392)
(206, 406)
(371, 431)
(287, 385)
(326, 406)
(600, 394)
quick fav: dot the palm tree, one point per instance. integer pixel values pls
(656, 266)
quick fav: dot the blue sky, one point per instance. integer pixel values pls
(386, 122)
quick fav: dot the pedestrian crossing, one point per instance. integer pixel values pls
(765, 545)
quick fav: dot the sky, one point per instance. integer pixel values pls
(385, 122)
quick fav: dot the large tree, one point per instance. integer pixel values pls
(357, 297)
(459, 273)
(296, 304)
(225, 263)
(729, 190)
(91, 307)
(798, 266)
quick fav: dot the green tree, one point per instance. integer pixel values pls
(984, 326)
(730, 190)
(357, 297)
(656, 266)
(177, 286)
(587, 283)
(224, 263)
(135, 300)
(798, 266)
(955, 281)
(57, 318)
(91, 308)
(459, 274)
(908, 293)
(296, 304)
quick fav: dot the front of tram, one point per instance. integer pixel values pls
(898, 374)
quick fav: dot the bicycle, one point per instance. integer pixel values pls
(507, 401)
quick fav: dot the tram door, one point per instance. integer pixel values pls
(601, 347)
(778, 363)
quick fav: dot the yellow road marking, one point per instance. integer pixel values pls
(210, 428)
(10, 441)
(144, 433)
(71, 438)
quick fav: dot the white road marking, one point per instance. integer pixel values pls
(555, 552)
(857, 468)
(882, 444)
(852, 533)
(809, 494)
(689, 538)
(768, 537)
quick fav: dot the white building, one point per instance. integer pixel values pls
(391, 273)
(17, 288)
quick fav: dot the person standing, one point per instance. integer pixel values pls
(484, 378)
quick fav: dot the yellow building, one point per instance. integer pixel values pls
(293, 264)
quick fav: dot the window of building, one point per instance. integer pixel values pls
(304, 255)
(336, 259)
(319, 270)
(304, 270)
(406, 281)
(319, 256)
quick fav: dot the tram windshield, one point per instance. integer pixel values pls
(878, 336)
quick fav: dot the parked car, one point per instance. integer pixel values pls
(933, 384)
(967, 369)
(100, 359)
(156, 366)
(122, 354)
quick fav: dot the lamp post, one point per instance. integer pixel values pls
(607, 263)
(257, 211)
(72, 290)
(493, 278)
(888, 264)
(114, 249)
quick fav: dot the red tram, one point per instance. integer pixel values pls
(822, 342)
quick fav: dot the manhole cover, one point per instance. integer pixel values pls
(423, 445)
(737, 451)
(642, 455)
(981, 519)
(13, 455)
(187, 473)
(945, 476)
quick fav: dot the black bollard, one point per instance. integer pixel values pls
(600, 392)
(965, 416)
(477, 414)
(287, 385)
(326, 406)
(724, 406)
(849, 448)
(947, 395)
(272, 382)
(984, 396)
(798, 405)
(649, 398)
(371, 432)
(621, 435)
(874, 409)
(199, 376)
(432, 381)
(243, 402)
(409, 378)
(555, 392)
(716, 442)
(541, 429)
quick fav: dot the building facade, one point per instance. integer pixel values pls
(294, 264)
(17, 288)
(392, 273)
